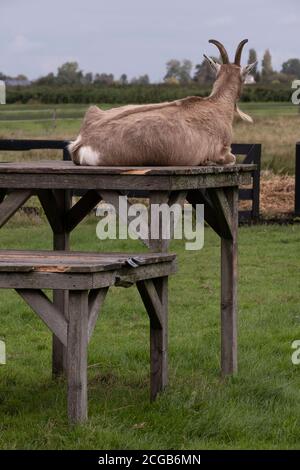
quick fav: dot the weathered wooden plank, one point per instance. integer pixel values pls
(200, 197)
(67, 167)
(2, 194)
(158, 244)
(77, 356)
(95, 302)
(61, 241)
(149, 182)
(222, 210)
(81, 209)
(57, 281)
(52, 210)
(151, 301)
(13, 201)
(229, 291)
(159, 342)
(59, 261)
(52, 317)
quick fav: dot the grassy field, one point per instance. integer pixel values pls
(276, 126)
(256, 409)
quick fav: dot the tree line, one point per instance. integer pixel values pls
(177, 73)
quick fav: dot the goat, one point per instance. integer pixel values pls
(191, 131)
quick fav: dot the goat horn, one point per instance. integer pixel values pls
(238, 54)
(222, 50)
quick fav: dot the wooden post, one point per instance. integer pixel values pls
(60, 297)
(229, 290)
(77, 356)
(159, 336)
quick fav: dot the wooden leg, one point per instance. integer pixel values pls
(159, 336)
(154, 294)
(229, 291)
(159, 343)
(77, 356)
(60, 298)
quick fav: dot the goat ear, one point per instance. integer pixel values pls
(246, 70)
(214, 65)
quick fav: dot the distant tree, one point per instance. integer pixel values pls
(123, 79)
(173, 69)
(104, 79)
(171, 81)
(267, 72)
(88, 78)
(204, 74)
(185, 72)
(291, 67)
(48, 80)
(142, 80)
(179, 71)
(69, 74)
(2, 76)
(251, 59)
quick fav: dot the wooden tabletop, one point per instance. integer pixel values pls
(56, 174)
(75, 261)
(67, 167)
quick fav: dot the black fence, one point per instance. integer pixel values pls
(251, 154)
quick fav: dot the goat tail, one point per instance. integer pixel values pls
(73, 149)
(243, 116)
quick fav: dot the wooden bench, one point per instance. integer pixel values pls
(86, 277)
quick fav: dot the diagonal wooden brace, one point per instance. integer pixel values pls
(151, 301)
(13, 201)
(53, 318)
(95, 301)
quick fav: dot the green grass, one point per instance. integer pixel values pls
(256, 409)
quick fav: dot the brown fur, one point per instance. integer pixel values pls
(190, 131)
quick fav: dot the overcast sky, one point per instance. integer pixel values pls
(139, 36)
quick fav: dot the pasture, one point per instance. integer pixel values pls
(257, 409)
(276, 126)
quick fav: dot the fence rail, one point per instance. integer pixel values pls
(251, 153)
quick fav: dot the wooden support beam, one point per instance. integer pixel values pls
(61, 241)
(229, 291)
(158, 244)
(2, 194)
(222, 211)
(52, 210)
(112, 197)
(81, 209)
(151, 301)
(77, 356)
(199, 196)
(53, 318)
(13, 201)
(95, 302)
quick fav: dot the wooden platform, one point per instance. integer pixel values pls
(53, 182)
(63, 174)
(86, 278)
